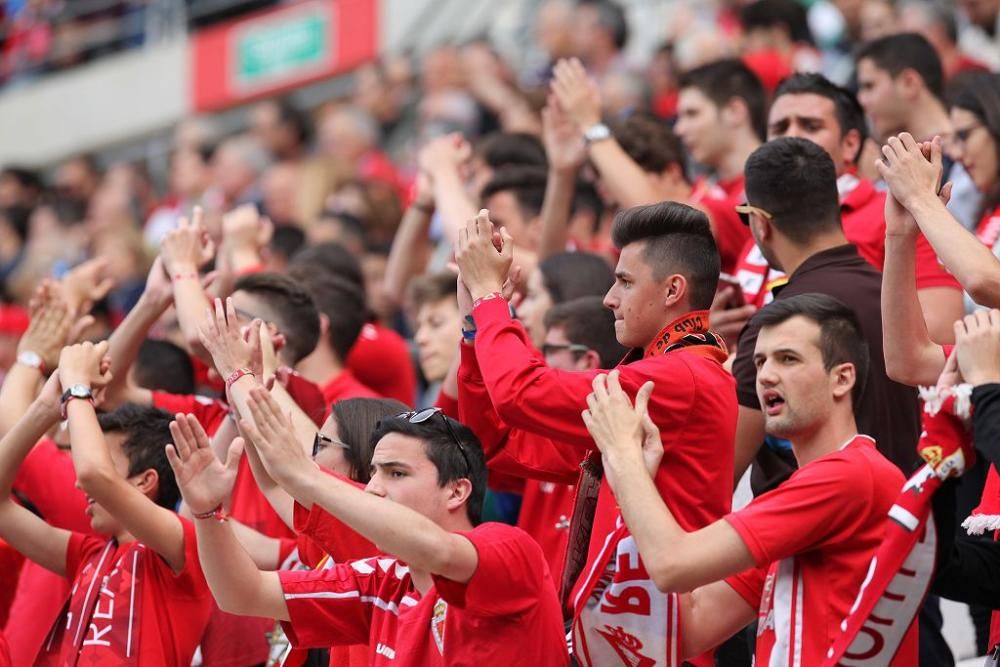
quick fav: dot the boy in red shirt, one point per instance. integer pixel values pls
(799, 553)
(139, 598)
(452, 593)
(664, 283)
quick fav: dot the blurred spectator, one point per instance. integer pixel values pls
(878, 19)
(236, 166)
(776, 40)
(281, 129)
(937, 23)
(19, 186)
(78, 177)
(279, 192)
(981, 37)
(189, 178)
(600, 33)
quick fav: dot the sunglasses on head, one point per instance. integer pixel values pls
(420, 416)
(744, 211)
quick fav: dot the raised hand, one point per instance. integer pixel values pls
(188, 247)
(977, 346)
(618, 428)
(578, 95)
(910, 174)
(272, 434)
(484, 257)
(85, 363)
(221, 335)
(204, 481)
(158, 285)
(563, 140)
(444, 153)
(49, 329)
(86, 284)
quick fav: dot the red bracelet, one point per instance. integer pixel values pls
(236, 375)
(182, 276)
(218, 514)
(488, 297)
(64, 414)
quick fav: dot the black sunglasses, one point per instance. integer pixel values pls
(321, 442)
(420, 416)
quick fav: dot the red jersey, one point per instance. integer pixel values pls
(48, 481)
(128, 607)
(694, 405)
(506, 614)
(862, 215)
(381, 360)
(813, 538)
(210, 412)
(730, 233)
(344, 386)
(321, 534)
(4, 652)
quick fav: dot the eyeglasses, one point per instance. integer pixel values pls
(321, 442)
(962, 136)
(552, 348)
(744, 211)
(420, 416)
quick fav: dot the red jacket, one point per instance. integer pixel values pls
(693, 404)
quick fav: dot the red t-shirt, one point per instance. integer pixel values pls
(813, 538)
(381, 360)
(320, 534)
(694, 406)
(4, 652)
(210, 412)
(862, 214)
(47, 479)
(546, 508)
(345, 386)
(507, 614)
(143, 609)
(730, 233)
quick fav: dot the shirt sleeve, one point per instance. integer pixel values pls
(509, 576)
(529, 395)
(820, 504)
(329, 535)
(929, 271)
(749, 585)
(743, 367)
(79, 548)
(331, 607)
(475, 409)
(190, 581)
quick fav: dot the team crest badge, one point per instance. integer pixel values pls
(437, 623)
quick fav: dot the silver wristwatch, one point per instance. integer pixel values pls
(597, 132)
(32, 360)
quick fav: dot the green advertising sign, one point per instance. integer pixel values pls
(286, 47)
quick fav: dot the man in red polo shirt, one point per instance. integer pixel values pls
(811, 107)
(797, 556)
(453, 591)
(664, 282)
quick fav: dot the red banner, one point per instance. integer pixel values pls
(280, 49)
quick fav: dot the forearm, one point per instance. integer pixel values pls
(91, 459)
(20, 386)
(941, 308)
(263, 550)
(244, 258)
(408, 254)
(191, 304)
(621, 175)
(18, 441)
(911, 357)
(397, 530)
(556, 209)
(279, 500)
(454, 205)
(237, 585)
(127, 338)
(971, 262)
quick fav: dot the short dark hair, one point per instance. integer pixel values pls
(795, 181)
(147, 433)
(287, 240)
(587, 198)
(356, 420)
(525, 182)
(19, 219)
(163, 366)
(292, 304)
(330, 257)
(611, 17)
(649, 142)
(297, 120)
(678, 239)
(431, 288)
(841, 340)
(341, 301)
(722, 80)
(902, 51)
(850, 115)
(772, 13)
(571, 275)
(586, 321)
(444, 453)
(501, 149)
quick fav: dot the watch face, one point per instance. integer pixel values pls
(30, 359)
(80, 391)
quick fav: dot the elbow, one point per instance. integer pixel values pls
(93, 479)
(669, 576)
(899, 370)
(984, 288)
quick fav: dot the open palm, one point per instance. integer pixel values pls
(204, 481)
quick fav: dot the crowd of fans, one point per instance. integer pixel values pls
(467, 367)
